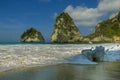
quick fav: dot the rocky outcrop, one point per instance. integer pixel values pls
(65, 30)
(96, 55)
(105, 31)
(116, 39)
(32, 35)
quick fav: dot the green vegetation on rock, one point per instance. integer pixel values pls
(118, 16)
(106, 30)
(32, 35)
(65, 30)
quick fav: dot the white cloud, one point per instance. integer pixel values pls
(84, 16)
(109, 5)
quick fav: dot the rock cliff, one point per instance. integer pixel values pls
(105, 31)
(65, 30)
(32, 35)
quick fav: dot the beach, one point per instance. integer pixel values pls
(101, 71)
(57, 62)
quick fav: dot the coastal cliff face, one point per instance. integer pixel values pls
(65, 30)
(106, 31)
(32, 35)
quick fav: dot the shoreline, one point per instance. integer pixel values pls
(17, 68)
(23, 68)
(13, 57)
(27, 68)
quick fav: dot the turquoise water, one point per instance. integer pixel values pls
(101, 71)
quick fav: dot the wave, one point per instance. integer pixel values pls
(48, 54)
(97, 54)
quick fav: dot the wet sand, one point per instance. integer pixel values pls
(101, 71)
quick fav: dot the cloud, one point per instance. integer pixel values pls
(84, 16)
(109, 5)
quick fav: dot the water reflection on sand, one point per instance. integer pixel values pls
(101, 71)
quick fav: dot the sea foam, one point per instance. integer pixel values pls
(47, 54)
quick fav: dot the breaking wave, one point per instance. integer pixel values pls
(47, 54)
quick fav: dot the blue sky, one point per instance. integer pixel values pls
(18, 15)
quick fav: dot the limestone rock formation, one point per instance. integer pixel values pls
(32, 35)
(105, 31)
(65, 30)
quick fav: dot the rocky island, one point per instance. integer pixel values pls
(65, 30)
(32, 35)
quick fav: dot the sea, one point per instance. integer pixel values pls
(36, 61)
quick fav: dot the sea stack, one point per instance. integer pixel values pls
(65, 30)
(32, 35)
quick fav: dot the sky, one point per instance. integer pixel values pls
(18, 15)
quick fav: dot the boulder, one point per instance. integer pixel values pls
(96, 55)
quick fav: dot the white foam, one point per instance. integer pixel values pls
(23, 55)
(80, 59)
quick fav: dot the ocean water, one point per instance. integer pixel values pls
(57, 62)
(18, 55)
(21, 55)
